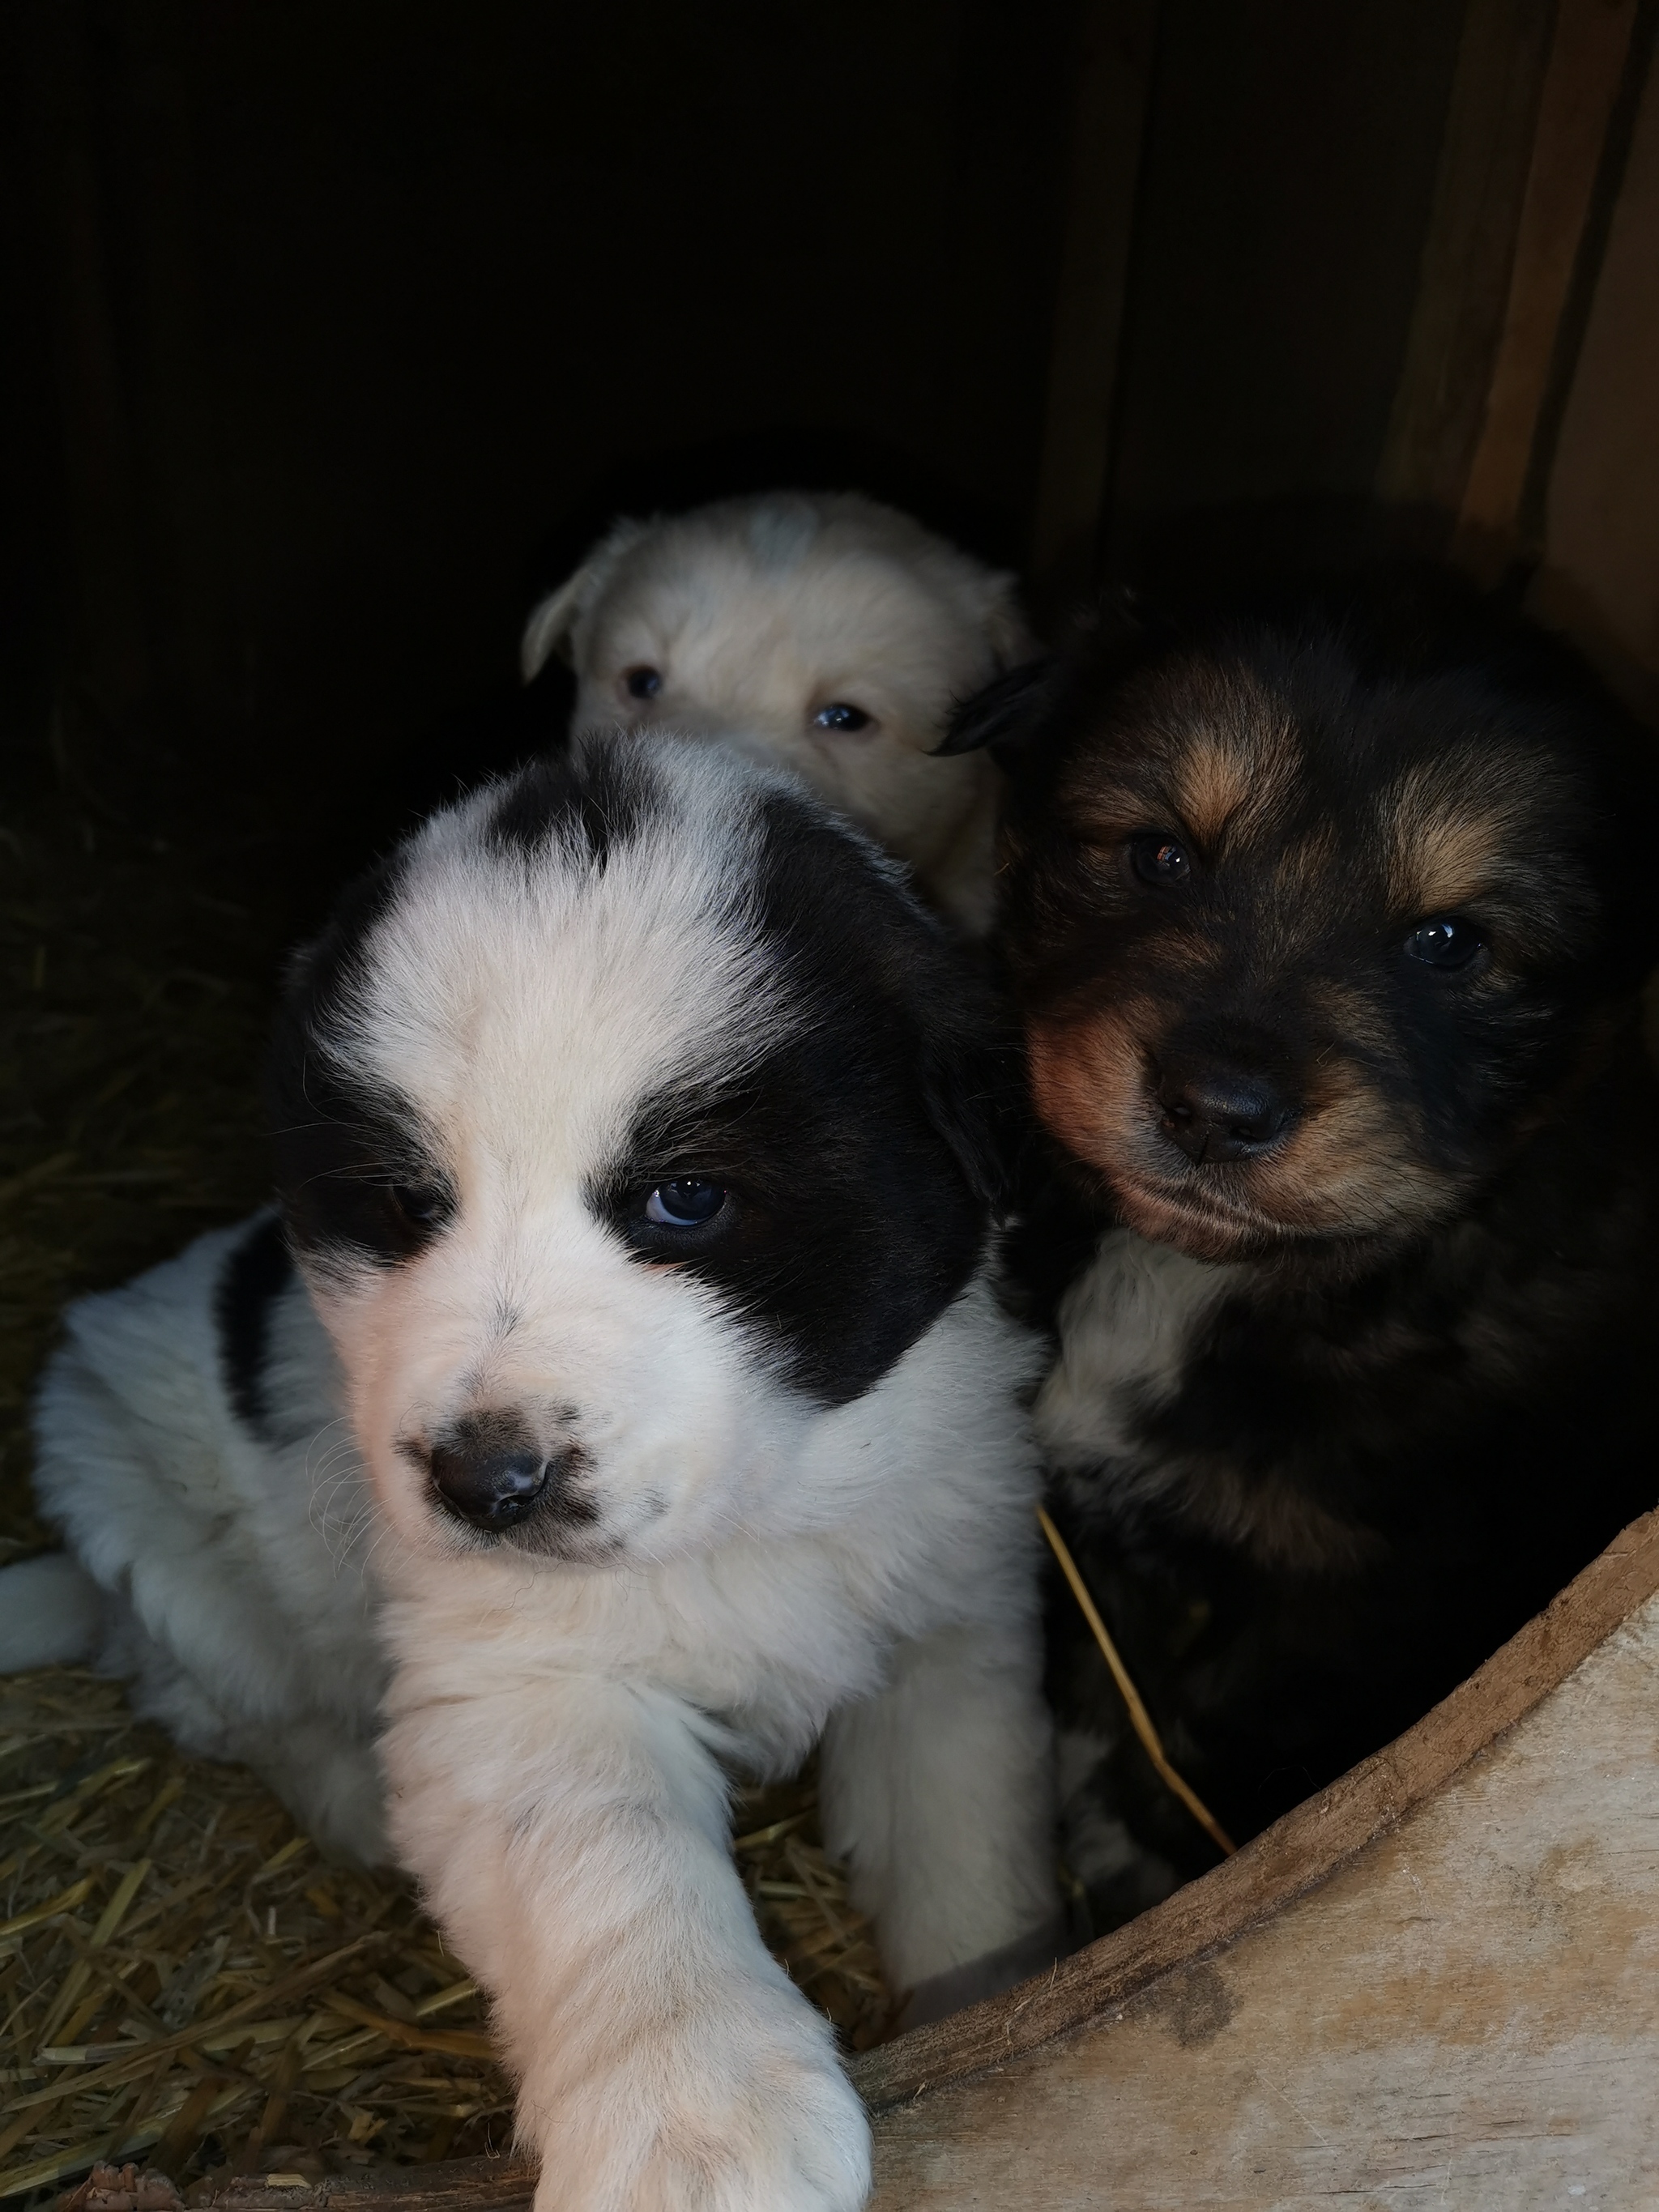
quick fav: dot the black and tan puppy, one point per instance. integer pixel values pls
(1328, 919)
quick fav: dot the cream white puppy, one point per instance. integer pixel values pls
(821, 631)
(638, 1148)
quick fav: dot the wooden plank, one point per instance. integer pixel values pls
(1466, 2015)
(1587, 63)
(1600, 581)
(462, 2185)
(1113, 83)
(1468, 255)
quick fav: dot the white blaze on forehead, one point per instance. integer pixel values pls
(527, 1000)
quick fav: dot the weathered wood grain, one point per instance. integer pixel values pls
(1465, 2015)
(1468, 255)
(1588, 60)
(463, 2185)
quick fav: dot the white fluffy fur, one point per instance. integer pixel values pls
(1126, 1326)
(758, 612)
(226, 1574)
(762, 1571)
(52, 1613)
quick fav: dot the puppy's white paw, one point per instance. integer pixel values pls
(740, 2110)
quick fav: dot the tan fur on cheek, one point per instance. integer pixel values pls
(1088, 1083)
(1350, 1168)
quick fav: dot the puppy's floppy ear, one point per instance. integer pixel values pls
(973, 1078)
(1005, 712)
(551, 624)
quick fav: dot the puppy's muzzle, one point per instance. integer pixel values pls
(1216, 1111)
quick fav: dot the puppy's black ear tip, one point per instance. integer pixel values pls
(1002, 714)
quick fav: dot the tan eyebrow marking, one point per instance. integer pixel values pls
(1212, 780)
(1233, 755)
(1444, 850)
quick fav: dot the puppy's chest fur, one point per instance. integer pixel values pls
(1318, 1430)
(1309, 1512)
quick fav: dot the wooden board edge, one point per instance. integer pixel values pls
(1467, 256)
(1286, 1860)
(461, 2184)
(1589, 69)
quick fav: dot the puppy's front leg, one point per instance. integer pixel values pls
(940, 1794)
(571, 1835)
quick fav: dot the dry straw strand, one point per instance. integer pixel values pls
(1139, 1718)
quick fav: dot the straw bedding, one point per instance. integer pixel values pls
(183, 1978)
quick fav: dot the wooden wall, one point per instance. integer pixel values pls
(1290, 177)
(1601, 572)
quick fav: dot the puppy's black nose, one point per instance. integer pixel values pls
(493, 1489)
(1214, 1112)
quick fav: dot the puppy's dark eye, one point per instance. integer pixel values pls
(641, 683)
(687, 1202)
(1157, 858)
(422, 1203)
(841, 716)
(1446, 942)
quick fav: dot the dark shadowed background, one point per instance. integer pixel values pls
(331, 330)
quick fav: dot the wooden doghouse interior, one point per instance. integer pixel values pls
(331, 333)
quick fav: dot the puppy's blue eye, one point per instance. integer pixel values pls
(641, 683)
(1159, 859)
(688, 1202)
(1445, 942)
(841, 716)
(420, 1202)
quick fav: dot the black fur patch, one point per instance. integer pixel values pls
(866, 1152)
(601, 799)
(256, 1273)
(345, 1151)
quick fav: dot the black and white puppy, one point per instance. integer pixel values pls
(638, 1139)
(1329, 915)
